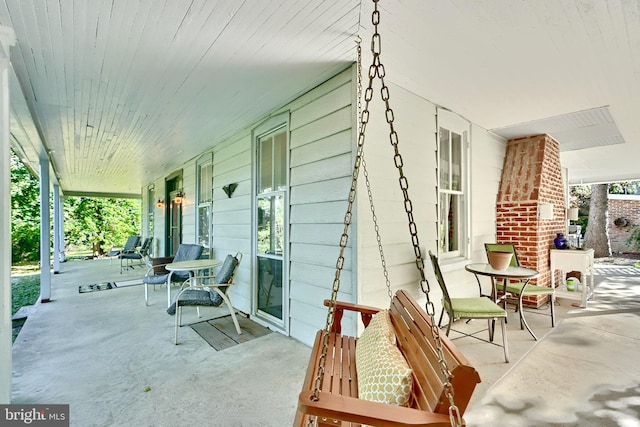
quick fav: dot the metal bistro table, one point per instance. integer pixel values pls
(192, 267)
(515, 273)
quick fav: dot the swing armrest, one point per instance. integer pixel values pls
(366, 312)
(345, 408)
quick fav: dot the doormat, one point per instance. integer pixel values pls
(96, 287)
(220, 333)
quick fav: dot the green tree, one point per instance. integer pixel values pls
(25, 213)
(628, 187)
(100, 223)
(634, 239)
(580, 197)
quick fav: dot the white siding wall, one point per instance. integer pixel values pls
(322, 144)
(188, 203)
(159, 219)
(415, 123)
(321, 161)
(232, 216)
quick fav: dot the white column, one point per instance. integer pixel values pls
(7, 39)
(45, 232)
(56, 228)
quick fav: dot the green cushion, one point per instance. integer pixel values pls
(478, 307)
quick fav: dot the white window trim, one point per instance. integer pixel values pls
(451, 121)
(204, 160)
(270, 125)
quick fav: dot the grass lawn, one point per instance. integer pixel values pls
(25, 290)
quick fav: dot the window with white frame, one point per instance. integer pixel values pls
(205, 202)
(271, 220)
(453, 194)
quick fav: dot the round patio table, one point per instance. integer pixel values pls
(524, 275)
(193, 267)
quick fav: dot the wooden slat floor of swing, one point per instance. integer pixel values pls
(339, 375)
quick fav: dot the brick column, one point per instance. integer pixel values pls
(531, 176)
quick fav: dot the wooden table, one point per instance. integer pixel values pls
(193, 267)
(524, 275)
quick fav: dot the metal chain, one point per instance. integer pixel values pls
(376, 48)
(383, 261)
(344, 239)
(377, 69)
(374, 217)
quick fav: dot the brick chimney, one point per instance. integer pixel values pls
(531, 176)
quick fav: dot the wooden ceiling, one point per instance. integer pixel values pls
(121, 92)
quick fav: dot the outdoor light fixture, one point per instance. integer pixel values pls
(229, 189)
(160, 203)
(178, 198)
(545, 211)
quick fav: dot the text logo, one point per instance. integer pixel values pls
(34, 415)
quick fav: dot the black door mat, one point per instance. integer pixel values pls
(96, 287)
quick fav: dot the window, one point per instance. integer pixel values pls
(453, 142)
(205, 202)
(270, 232)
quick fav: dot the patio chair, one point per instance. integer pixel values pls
(114, 253)
(208, 294)
(478, 307)
(141, 254)
(155, 276)
(515, 287)
(130, 248)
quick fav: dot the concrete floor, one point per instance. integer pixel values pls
(113, 360)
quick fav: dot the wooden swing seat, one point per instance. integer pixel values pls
(338, 399)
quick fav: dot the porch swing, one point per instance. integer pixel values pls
(434, 367)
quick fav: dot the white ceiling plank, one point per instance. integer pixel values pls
(175, 77)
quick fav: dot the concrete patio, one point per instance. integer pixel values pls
(114, 362)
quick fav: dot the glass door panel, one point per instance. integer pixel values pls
(270, 236)
(269, 253)
(270, 286)
(271, 224)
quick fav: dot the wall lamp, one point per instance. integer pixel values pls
(229, 189)
(160, 203)
(545, 211)
(178, 198)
